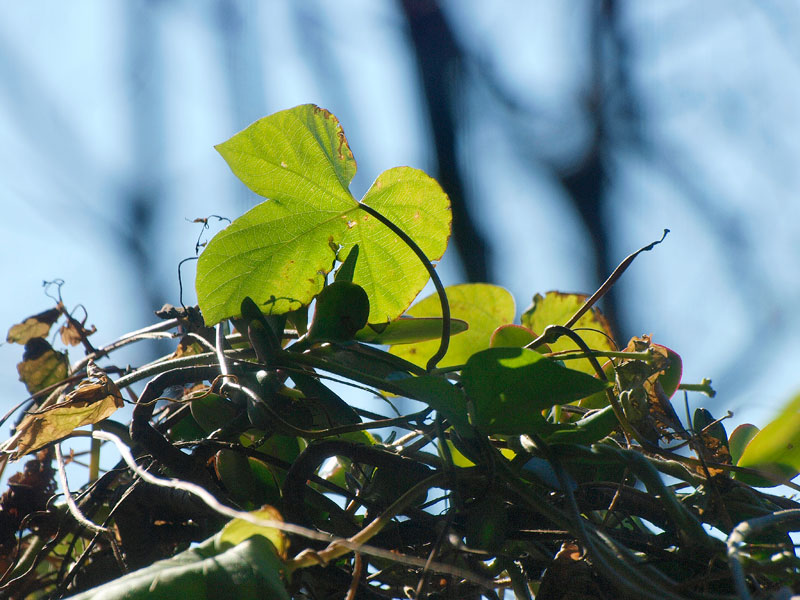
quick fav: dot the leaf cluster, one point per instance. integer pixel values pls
(540, 456)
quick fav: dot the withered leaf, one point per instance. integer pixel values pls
(187, 347)
(73, 332)
(94, 399)
(41, 366)
(37, 326)
(640, 380)
(711, 442)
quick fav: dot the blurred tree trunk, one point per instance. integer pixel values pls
(144, 191)
(439, 60)
(609, 107)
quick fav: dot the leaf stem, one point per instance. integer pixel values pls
(603, 290)
(445, 341)
(572, 355)
(704, 386)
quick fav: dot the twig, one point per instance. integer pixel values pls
(602, 291)
(73, 508)
(737, 540)
(358, 568)
(352, 544)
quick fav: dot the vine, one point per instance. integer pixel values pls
(528, 457)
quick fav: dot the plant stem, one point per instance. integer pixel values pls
(445, 341)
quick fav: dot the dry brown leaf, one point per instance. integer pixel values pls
(37, 326)
(73, 332)
(94, 399)
(653, 415)
(41, 366)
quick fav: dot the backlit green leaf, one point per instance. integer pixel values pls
(250, 570)
(556, 308)
(739, 439)
(511, 386)
(483, 306)
(407, 330)
(775, 450)
(238, 530)
(279, 252)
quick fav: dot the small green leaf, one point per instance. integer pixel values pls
(407, 330)
(348, 268)
(556, 308)
(342, 309)
(279, 252)
(212, 412)
(515, 336)
(590, 429)
(511, 386)
(511, 336)
(671, 378)
(775, 450)
(483, 306)
(233, 470)
(238, 530)
(739, 439)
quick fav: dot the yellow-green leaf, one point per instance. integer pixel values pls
(556, 308)
(238, 530)
(407, 330)
(775, 450)
(41, 366)
(37, 326)
(279, 252)
(483, 306)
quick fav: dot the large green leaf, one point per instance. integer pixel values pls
(556, 308)
(511, 386)
(279, 252)
(483, 306)
(250, 570)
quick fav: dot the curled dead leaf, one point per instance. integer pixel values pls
(74, 332)
(94, 399)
